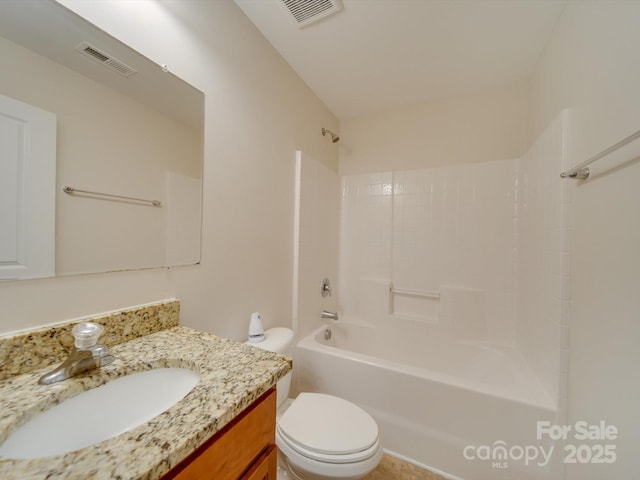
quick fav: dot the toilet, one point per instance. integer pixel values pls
(319, 436)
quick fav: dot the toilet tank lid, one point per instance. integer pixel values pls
(277, 339)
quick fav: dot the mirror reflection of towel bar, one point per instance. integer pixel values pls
(413, 293)
(72, 190)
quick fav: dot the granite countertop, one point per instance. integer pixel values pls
(232, 377)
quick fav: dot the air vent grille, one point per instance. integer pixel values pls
(310, 11)
(104, 58)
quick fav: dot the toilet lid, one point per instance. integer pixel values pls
(328, 425)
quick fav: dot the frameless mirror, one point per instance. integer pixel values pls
(123, 126)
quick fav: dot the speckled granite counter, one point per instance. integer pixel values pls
(233, 376)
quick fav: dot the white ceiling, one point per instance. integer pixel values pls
(375, 55)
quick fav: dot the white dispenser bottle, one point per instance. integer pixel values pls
(256, 330)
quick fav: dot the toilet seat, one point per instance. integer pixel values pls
(328, 429)
(325, 458)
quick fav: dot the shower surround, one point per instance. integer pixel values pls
(487, 243)
(470, 257)
(439, 230)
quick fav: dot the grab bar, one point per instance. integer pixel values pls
(72, 190)
(414, 293)
(581, 172)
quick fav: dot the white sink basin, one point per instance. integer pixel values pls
(99, 414)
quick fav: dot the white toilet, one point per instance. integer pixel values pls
(320, 437)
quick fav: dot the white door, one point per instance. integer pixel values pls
(27, 190)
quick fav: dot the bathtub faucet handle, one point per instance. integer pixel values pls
(330, 315)
(326, 287)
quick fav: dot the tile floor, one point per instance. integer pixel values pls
(392, 468)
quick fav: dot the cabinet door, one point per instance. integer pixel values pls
(234, 449)
(265, 468)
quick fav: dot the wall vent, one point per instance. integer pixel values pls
(306, 12)
(104, 58)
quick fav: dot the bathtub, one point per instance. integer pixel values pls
(463, 409)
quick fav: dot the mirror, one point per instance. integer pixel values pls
(125, 127)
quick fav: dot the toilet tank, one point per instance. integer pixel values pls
(279, 340)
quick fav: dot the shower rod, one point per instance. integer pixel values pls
(581, 172)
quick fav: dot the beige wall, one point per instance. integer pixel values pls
(258, 113)
(589, 66)
(486, 126)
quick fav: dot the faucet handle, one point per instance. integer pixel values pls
(86, 334)
(326, 287)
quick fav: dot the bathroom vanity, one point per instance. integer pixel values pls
(223, 428)
(245, 449)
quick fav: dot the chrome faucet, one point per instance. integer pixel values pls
(84, 356)
(330, 315)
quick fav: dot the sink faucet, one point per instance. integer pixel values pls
(331, 315)
(85, 355)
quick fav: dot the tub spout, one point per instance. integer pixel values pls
(331, 315)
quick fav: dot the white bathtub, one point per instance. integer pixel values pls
(432, 399)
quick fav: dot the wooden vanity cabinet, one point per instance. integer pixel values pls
(243, 450)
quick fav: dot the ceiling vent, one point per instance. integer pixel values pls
(306, 12)
(107, 60)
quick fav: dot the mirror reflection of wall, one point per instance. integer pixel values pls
(110, 142)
